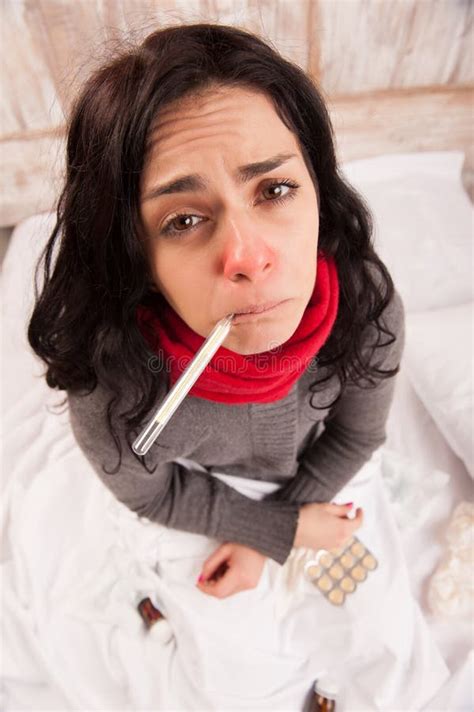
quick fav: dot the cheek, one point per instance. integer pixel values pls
(183, 283)
(304, 252)
(305, 265)
(305, 230)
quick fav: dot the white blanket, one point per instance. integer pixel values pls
(77, 562)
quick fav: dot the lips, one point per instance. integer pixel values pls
(253, 311)
(257, 308)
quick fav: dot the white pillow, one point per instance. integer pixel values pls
(24, 249)
(438, 359)
(422, 224)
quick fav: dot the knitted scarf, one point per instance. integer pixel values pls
(230, 377)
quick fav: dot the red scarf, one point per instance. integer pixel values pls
(230, 377)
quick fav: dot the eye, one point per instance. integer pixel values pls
(282, 197)
(185, 219)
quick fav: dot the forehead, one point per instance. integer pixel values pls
(230, 118)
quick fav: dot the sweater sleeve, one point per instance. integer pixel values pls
(178, 498)
(355, 427)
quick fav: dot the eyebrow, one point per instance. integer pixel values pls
(194, 183)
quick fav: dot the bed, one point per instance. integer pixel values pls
(66, 649)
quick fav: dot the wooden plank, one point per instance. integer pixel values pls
(29, 100)
(434, 118)
(349, 46)
(31, 175)
(368, 45)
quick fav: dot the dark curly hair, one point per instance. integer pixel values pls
(84, 323)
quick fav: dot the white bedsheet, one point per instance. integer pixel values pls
(79, 561)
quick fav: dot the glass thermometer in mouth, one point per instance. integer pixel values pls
(182, 386)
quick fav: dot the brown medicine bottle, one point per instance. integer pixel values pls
(325, 695)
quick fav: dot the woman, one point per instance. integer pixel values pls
(202, 181)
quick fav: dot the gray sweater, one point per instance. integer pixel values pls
(311, 453)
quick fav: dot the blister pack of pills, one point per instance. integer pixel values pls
(338, 572)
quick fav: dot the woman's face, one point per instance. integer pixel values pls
(232, 236)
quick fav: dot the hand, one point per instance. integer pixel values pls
(326, 525)
(230, 569)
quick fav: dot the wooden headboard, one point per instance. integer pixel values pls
(397, 75)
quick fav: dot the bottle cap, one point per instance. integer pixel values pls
(326, 687)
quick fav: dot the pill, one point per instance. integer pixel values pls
(369, 562)
(336, 596)
(313, 570)
(347, 584)
(326, 559)
(359, 573)
(324, 583)
(336, 571)
(347, 560)
(358, 549)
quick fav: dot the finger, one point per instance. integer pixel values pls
(358, 519)
(213, 562)
(340, 510)
(225, 586)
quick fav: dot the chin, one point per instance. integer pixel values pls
(248, 342)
